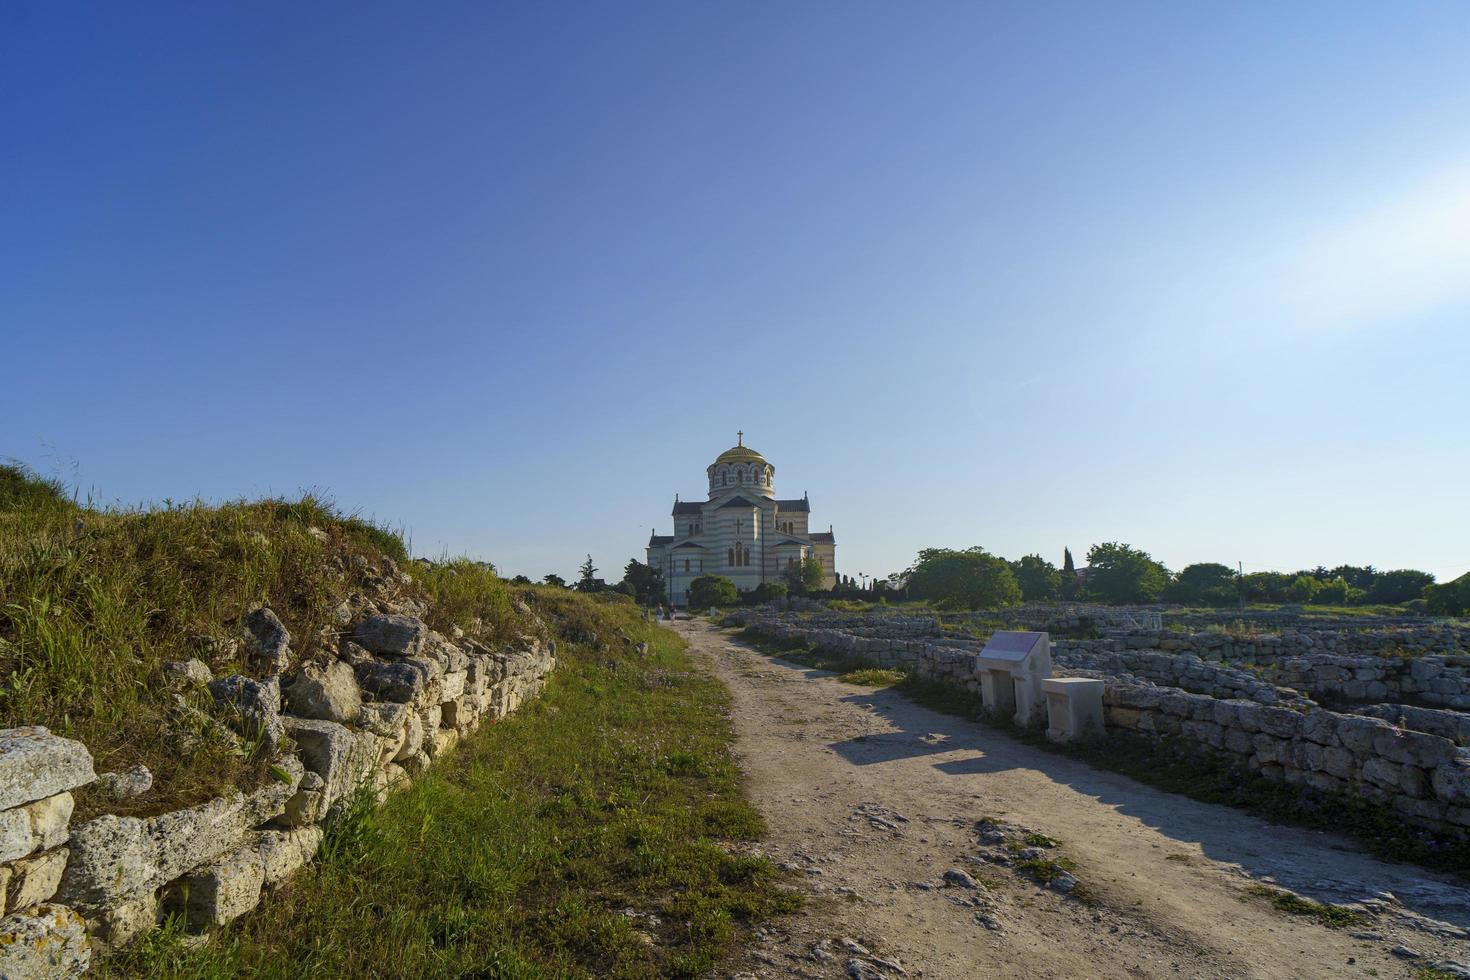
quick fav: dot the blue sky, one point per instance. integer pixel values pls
(1190, 276)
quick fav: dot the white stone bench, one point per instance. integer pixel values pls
(1074, 707)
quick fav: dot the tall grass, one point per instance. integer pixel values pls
(93, 602)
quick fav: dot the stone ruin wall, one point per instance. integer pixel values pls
(1411, 757)
(394, 700)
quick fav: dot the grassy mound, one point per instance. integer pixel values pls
(94, 601)
(599, 831)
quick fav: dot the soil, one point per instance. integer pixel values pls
(871, 799)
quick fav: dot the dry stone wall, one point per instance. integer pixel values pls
(1412, 758)
(393, 698)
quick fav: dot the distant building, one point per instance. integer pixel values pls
(741, 532)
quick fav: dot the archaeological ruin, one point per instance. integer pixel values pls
(1366, 706)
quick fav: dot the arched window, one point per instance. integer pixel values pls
(732, 557)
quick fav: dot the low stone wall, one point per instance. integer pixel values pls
(395, 697)
(1424, 775)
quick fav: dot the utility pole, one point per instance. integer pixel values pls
(1240, 584)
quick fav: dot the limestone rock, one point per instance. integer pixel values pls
(219, 893)
(126, 785)
(282, 852)
(307, 806)
(35, 764)
(343, 758)
(120, 924)
(255, 706)
(187, 673)
(399, 635)
(115, 858)
(269, 642)
(329, 693)
(400, 682)
(413, 738)
(384, 718)
(48, 943)
(50, 819)
(35, 879)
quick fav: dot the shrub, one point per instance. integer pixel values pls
(712, 590)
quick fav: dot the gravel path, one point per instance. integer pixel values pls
(872, 799)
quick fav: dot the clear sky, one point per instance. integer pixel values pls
(1028, 275)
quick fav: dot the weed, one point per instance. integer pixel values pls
(1331, 916)
(874, 677)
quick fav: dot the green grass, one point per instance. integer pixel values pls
(1331, 916)
(1046, 870)
(873, 677)
(614, 790)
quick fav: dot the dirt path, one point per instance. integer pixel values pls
(874, 798)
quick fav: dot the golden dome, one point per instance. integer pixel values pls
(739, 453)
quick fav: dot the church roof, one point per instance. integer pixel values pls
(802, 505)
(686, 507)
(738, 502)
(739, 454)
(654, 540)
(823, 537)
(687, 544)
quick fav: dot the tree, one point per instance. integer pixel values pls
(1303, 589)
(1069, 575)
(1121, 574)
(1358, 577)
(1204, 584)
(805, 576)
(712, 590)
(1397, 586)
(556, 580)
(1265, 586)
(971, 579)
(1333, 592)
(645, 583)
(765, 592)
(1038, 578)
(1449, 599)
(521, 580)
(588, 582)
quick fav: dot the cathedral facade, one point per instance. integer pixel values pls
(741, 531)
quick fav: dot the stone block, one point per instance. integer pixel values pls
(1413, 748)
(282, 852)
(1123, 717)
(400, 682)
(268, 641)
(1281, 722)
(254, 706)
(35, 764)
(398, 635)
(120, 924)
(1358, 732)
(34, 880)
(442, 742)
(50, 820)
(413, 738)
(386, 719)
(307, 805)
(453, 685)
(343, 758)
(115, 858)
(219, 892)
(326, 692)
(44, 944)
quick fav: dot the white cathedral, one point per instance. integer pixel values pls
(741, 532)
